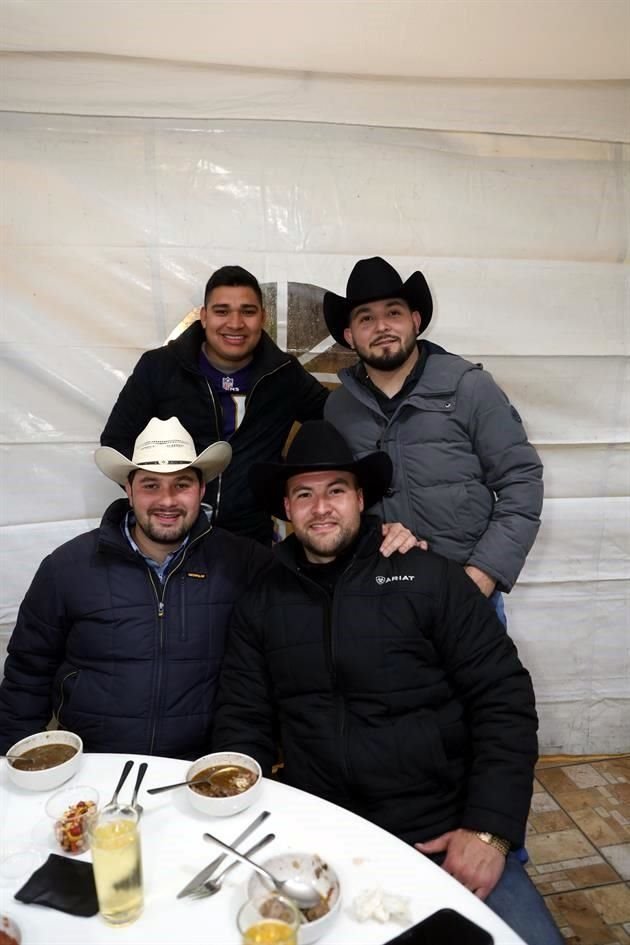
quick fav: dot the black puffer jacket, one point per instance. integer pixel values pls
(91, 647)
(166, 382)
(403, 699)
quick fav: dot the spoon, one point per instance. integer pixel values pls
(123, 777)
(304, 894)
(142, 770)
(29, 761)
(208, 780)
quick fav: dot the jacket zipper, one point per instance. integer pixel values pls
(161, 609)
(57, 714)
(219, 426)
(330, 662)
(339, 699)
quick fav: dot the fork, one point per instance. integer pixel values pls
(212, 886)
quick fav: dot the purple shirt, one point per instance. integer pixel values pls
(230, 391)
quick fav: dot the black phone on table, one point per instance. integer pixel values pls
(445, 927)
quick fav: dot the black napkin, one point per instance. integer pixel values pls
(63, 884)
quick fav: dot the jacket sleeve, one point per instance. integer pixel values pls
(245, 717)
(310, 396)
(35, 652)
(134, 408)
(483, 667)
(513, 470)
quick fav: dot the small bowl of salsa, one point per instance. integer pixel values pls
(44, 761)
(224, 783)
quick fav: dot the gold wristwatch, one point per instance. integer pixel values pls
(503, 846)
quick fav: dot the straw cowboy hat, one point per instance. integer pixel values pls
(318, 446)
(164, 446)
(371, 280)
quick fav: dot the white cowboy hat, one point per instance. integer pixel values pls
(164, 446)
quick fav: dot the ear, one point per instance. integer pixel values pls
(128, 491)
(286, 508)
(203, 316)
(347, 334)
(417, 320)
(361, 499)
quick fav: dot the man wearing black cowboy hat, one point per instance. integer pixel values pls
(466, 478)
(389, 682)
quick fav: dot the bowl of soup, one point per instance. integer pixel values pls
(224, 783)
(44, 761)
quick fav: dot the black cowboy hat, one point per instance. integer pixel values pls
(319, 446)
(370, 280)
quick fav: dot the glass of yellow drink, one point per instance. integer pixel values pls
(269, 920)
(115, 844)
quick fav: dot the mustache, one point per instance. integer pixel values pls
(382, 338)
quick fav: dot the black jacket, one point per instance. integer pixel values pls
(166, 382)
(402, 699)
(93, 647)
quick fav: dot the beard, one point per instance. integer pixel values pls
(388, 359)
(327, 546)
(161, 534)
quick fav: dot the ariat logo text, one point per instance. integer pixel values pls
(396, 577)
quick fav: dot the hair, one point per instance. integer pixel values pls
(234, 276)
(132, 475)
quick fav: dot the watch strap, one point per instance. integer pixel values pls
(503, 846)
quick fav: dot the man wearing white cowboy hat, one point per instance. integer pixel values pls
(390, 683)
(466, 478)
(121, 634)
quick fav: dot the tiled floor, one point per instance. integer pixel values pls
(579, 847)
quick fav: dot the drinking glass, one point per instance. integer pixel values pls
(269, 919)
(115, 844)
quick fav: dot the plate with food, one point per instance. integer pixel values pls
(312, 869)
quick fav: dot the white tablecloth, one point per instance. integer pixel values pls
(173, 850)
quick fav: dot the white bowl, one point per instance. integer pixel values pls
(49, 778)
(310, 868)
(224, 806)
(10, 927)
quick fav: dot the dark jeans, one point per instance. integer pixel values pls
(517, 901)
(520, 905)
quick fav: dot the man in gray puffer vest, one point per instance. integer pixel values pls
(466, 478)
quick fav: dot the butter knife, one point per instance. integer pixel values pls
(208, 870)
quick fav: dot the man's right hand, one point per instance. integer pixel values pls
(476, 864)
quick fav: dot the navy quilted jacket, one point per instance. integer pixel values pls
(91, 649)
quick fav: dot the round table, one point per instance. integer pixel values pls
(173, 851)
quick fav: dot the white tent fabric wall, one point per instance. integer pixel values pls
(112, 226)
